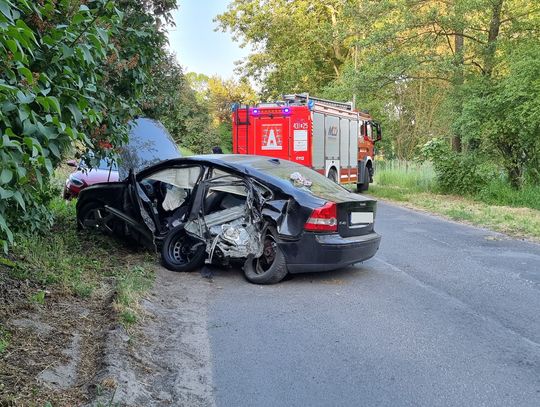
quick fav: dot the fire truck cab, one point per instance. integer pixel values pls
(331, 137)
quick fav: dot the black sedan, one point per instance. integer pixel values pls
(272, 215)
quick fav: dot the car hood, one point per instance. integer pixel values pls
(95, 176)
(149, 143)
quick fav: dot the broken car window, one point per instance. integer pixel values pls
(171, 187)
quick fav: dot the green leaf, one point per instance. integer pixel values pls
(18, 197)
(25, 98)
(5, 9)
(12, 44)
(67, 52)
(27, 73)
(6, 87)
(53, 101)
(5, 176)
(39, 178)
(76, 113)
(21, 172)
(5, 193)
(54, 149)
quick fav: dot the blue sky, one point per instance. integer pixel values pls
(197, 46)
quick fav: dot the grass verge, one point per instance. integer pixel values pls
(81, 263)
(496, 207)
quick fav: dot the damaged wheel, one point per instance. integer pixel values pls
(181, 252)
(270, 267)
(94, 216)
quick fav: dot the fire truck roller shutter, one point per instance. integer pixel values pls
(332, 137)
(317, 149)
(344, 140)
(353, 147)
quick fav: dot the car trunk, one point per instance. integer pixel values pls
(356, 218)
(355, 213)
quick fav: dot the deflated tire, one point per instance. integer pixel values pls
(270, 267)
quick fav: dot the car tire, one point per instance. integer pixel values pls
(95, 212)
(181, 252)
(270, 267)
(332, 175)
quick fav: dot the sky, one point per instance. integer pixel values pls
(197, 46)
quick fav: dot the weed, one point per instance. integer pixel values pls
(4, 339)
(38, 298)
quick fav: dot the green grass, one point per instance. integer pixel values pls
(410, 176)
(4, 339)
(499, 192)
(81, 264)
(497, 206)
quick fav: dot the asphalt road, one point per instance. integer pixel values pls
(444, 315)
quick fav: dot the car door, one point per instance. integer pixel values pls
(156, 197)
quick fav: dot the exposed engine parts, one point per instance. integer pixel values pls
(232, 233)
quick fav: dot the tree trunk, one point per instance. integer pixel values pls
(494, 27)
(458, 81)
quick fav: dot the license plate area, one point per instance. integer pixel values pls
(359, 219)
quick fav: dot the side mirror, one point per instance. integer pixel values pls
(72, 163)
(379, 132)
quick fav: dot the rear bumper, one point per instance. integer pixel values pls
(322, 252)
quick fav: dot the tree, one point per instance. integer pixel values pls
(72, 74)
(504, 115)
(170, 99)
(299, 46)
(218, 95)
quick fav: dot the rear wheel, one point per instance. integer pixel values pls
(361, 187)
(181, 252)
(270, 267)
(94, 216)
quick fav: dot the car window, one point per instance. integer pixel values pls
(227, 177)
(149, 143)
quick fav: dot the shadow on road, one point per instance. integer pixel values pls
(333, 277)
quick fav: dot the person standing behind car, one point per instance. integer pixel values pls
(217, 150)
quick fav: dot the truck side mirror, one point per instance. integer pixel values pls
(379, 132)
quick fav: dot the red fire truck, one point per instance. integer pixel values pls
(330, 137)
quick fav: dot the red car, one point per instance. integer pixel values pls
(106, 171)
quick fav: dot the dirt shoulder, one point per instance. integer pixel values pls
(53, 343)
(167, 361)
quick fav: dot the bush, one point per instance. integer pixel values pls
(500, 192)
(73, 73)
(461, 174)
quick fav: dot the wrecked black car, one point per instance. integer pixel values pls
(272, 215)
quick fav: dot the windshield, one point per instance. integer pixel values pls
(102, 164)
(301, 177)
(107, 163)
(149, 143)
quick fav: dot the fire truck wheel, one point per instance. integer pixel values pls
(364, 185)
(270, 267)
(332, 175)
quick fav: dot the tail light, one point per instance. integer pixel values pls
(323, 219)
